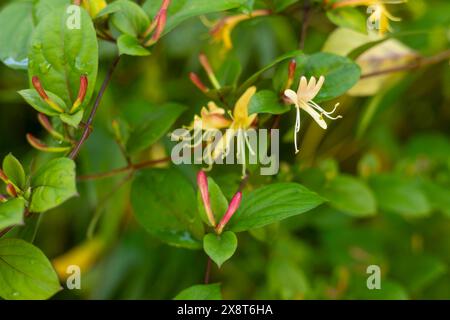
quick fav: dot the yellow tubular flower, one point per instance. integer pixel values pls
(93, 7)
(303, 99)
(221, 31)
(379, 15)
(84, 256)
(241, 122)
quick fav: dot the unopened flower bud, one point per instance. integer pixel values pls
(45, 122)
(158, 24)
(198, 83)
(202, 182)
(208, 69)
(40, 90)
(81, 93)
(232, 208)
(39, 145)
(11, 190)
(3, 176)
(291, 73)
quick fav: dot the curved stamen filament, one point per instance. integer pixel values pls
(297, 129)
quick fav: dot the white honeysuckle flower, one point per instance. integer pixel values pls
(303, 99)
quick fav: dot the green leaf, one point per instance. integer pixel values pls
(26, 273)
(201, 292)
(280, 5)
(128, 17)
(155, 125)
(72, 119)
(43, 7)
(340, 73)
(350, 195)
(60, 53)
(400, 195)
(33, 99)
(220, 248)
(129, 45)
(14, 171)
(163, 210)
(53, 184)
(181, 10)
(16, 25)
(266, 101)
(219, 203)
(229, 72)
(273, 203)
(11, 213)
(348, 17)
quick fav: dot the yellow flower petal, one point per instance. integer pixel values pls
(241, 108)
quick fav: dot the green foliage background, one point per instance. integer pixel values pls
(384, 171)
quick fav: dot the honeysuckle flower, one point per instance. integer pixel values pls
(211, 119)
(303, 99)
(232, 208)
(379, 13)
(221, 31)
(241, 122)
(202, 182)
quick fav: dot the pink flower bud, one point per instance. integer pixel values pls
(232, 208)
(197, 82)
(205, 63)
(202, 182)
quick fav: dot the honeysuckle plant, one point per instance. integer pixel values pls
(110, 82)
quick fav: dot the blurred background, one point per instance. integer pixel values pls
(391, 151)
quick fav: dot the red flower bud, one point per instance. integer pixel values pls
(81, 93)
(232, 208)
(291, 73)
(11, 190)
(3, 198)
(205, 63)
(209, 71)
(38, 86)
(197, 82)
(3, 176)
(158, 24)
(202, 182)
(45, 122)
(39, 145)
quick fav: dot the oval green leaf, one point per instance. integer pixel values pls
(26, 273)
(273, 203)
